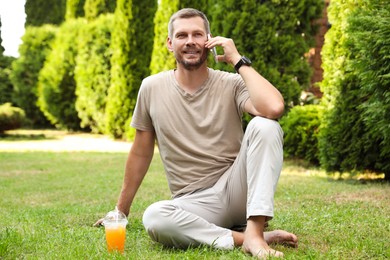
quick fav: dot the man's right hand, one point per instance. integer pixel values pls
(99, 223)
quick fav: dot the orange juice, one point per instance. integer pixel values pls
(115, 237)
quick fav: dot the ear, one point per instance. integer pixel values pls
(169, 44)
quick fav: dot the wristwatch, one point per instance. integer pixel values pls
(243, 61)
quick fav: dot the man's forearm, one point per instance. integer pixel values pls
(136, 168)
(265, 98)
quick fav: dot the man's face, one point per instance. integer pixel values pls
(187, 42)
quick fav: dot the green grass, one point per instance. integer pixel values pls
(49, 201)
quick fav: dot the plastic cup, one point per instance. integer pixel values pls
(115, 226)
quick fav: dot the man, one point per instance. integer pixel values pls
(219, 177)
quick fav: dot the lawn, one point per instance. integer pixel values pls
(49, 202)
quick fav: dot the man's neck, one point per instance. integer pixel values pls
(191, 80)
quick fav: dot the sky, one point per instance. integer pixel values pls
(12, 29)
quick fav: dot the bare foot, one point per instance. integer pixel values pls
(260, 249)
(281, 237)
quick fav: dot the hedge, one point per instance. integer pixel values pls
(10, 117)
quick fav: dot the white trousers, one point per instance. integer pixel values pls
(246, 189)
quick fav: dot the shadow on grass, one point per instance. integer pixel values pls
(26, 136)
(354, 178)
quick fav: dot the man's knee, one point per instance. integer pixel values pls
(155, 216)
(158, 222)
(264, 127)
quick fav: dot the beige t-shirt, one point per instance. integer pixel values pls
(199, 135)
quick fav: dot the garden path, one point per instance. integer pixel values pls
(58, 141)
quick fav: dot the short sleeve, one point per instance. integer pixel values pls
(141, 119)
(241, 93)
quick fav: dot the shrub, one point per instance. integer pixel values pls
(301, 128)
(92, 72)
(275, 35)
(10, 117)
(355, 132)
(56, 84)
(24, 76)
(5, 82)
(131, 45)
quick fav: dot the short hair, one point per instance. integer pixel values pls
(187, 13)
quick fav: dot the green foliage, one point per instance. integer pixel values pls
(369, 33)
(301, 128)
(131, 44)
(74, 9)
(5, 70)
(1, 41)
(50, 201)
(56, 85)
(355, 132)
(119, 102)
(10, 117)
(93, 8)
(33, 52)
(40, 12)
(5, 82)
(92, 72)
(162, 59)
(275, 34)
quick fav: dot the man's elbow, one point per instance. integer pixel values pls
(275, 111)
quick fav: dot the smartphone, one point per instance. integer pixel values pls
(213, 50)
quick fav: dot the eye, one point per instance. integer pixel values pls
(181, 36)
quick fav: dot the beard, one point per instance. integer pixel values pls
(192, 64)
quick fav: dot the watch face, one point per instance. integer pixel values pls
(246, 60)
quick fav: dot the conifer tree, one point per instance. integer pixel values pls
(1, 41)
(5, 70)
(162, 59)
(56, 84)
(92, 73)
(93, 8)
(25, 70)
(275, 35)
(74, 9)
(131, 52)
(40, 12)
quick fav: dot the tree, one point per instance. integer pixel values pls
(1, 41)
(355, 133)
(74, 9)
(275, 35)
(92, 73)
(41, 12)
(5, 70)
(94, 8)
(162, 59)
(33, 51)
(56, 84)
(126, 60)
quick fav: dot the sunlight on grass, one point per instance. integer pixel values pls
(50, 201)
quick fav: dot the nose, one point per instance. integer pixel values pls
(190, 40)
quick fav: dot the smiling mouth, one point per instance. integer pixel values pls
(192, 52)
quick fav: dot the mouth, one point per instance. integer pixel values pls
(191, 52)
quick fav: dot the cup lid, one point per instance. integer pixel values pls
(115, 216)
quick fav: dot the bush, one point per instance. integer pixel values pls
(92, 72)
(132, 48)
(56, 83)
(10, 117)
(280, 34)
(301, 128)
(24, 76)
(5, 82)
(355, 132)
